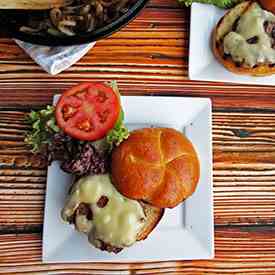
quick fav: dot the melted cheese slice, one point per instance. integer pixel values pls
(251, 24)
(117, 223)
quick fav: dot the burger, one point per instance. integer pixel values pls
(244, 39)
(154, 169)
(110, 220)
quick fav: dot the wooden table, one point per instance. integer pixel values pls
(150, 56)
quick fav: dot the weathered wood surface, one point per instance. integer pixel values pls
(30, 93)
(244, 171)
(238, 251)
(150, 56)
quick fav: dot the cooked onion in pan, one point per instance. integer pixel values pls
(80, 16)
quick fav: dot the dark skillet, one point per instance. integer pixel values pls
(11, 21)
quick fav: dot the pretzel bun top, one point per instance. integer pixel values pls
(156, 165)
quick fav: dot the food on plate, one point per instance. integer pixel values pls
(122, 182)
(88, 111)
(86, 159)
(268, 5)
(118, 133)
(77, 156)
(156, 165)
(76, 17)
(218, 3)
(43, 127)
(111, 221)
(153, 169)
(244, 40)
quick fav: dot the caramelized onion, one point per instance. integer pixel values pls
(79, 16)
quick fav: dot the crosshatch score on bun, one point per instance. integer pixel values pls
(157, 165)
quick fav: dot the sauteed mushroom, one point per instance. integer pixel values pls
(79, 16)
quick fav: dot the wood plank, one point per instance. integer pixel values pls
(164, 3)
(244, 171)
(238, 251)
(244, 167)
(149, 56)
(30, 94)
(149, 28)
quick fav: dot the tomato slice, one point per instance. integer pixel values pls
(88, 111)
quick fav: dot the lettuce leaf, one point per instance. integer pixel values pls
(120, 131)
(43, 127)
(218, 3)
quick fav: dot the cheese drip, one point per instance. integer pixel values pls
(117, 223)
(251, 25)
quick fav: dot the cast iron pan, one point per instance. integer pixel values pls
(11, 21)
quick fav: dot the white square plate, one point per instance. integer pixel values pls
(185, 232)
(202, 63)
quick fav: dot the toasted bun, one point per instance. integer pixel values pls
(153, 216)
(156, 165)
(268, 5)
(223, 27)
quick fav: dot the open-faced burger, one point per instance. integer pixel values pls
(122, 181)
(244, 39)
(111, 221)
(153, 169)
